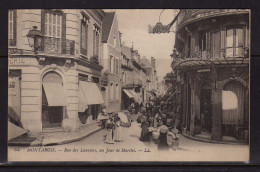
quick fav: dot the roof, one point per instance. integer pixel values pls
(106, 25)
(126, 51)
(146, 62)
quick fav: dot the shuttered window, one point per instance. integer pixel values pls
(84, 37)
(12, 27)
(235, 41)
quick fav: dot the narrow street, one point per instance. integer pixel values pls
(133, 149)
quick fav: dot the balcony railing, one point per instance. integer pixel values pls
(11, 42)
(190, 14)
(54, 46)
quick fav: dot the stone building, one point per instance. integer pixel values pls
(211, 60)
(59, 87)
(111, 60)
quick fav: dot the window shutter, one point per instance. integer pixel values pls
(86, 40)
(43, 27)
(63, 33)
(14, 26)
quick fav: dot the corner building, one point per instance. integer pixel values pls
(212, 65)
(59, 87)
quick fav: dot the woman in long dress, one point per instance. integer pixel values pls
(145, 132)
(110, 127)
(163, 130)
(118, 137)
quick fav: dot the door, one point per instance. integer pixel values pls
(14, 96)
(205, 108)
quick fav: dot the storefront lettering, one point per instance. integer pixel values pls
(16, 61)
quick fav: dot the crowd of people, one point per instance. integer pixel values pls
(160, 123)
(115, 124)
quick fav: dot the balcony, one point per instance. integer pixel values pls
(189, 15)
(236, 55)
(11, 42)
(55, 46)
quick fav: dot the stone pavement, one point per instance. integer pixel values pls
(55, 138)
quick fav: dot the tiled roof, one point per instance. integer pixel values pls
(106, 25)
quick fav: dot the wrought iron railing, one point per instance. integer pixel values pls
(189, 14)
(55, 46)
(11, 42)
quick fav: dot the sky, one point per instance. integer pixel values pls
(134, 23)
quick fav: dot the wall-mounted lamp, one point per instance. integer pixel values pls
(35, 39)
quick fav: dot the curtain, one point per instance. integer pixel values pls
(233, 96)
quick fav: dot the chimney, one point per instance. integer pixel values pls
(153, 62)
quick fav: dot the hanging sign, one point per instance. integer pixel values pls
(159, 28)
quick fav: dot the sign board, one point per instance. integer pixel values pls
(159, 28)
(203, 70)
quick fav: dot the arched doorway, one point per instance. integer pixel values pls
(53, 100)
(205, 108)
(233, 109)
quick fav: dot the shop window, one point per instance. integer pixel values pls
(235, 41)
(12, 27)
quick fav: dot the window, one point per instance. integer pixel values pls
(84, 36)
(111, 64)
(189, 46)
(52, 24)
(12, 28)
(114, 43)
(96, 32)
(111, 91)
(234, 41)
(116, 91)
(117, 67)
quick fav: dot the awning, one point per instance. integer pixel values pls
(54, 93)
(14, 131)
(83, 105)
(136, 96)
(91, 92)
(130, 95)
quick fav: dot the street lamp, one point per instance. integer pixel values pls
(35, 39)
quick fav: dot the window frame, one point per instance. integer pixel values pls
(84, 45)
(48, 24)
(234, 28)
(12, 39)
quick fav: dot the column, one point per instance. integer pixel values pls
(216, 115)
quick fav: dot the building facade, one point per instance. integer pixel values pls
(59, 87)
(211, 60)
(111, 60)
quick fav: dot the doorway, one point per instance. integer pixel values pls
(53, 100)
(206, 108)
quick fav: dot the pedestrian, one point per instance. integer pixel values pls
(145, 131)
(163, 130)
(118, 135)
(110, 127)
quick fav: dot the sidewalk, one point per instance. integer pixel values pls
(55, 138)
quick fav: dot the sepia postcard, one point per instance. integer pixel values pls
(130, 85)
